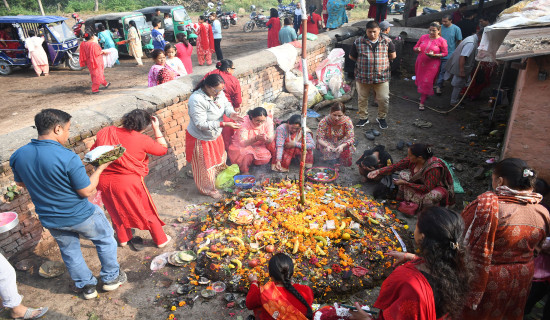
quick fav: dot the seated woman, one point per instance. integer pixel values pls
(434, 284)
(288, 144)
(373, 159)
(430, 183)
(279, 298)
(250, 142)
(335, 136)
(160, 72)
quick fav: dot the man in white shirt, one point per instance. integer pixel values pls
(217, 31)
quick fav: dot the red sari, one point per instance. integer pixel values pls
(274, 25)
(123, 190)
(503, 232)
(406, 295)
(91, 56)
(205, 43)
(270, 298)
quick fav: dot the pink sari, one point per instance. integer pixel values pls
(258, 150)
(427, 68)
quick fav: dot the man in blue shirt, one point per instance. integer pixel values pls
(453, 35)
(287, 33)
(59, 188)
(158, 38)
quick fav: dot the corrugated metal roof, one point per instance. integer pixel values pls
(525, 43)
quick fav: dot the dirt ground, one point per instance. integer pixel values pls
(461, 138)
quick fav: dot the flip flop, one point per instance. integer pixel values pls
(369, 135)
(400, 145)
(375, 132)
(136, 243)
(30, 311)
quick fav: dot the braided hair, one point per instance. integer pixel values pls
(281, 269)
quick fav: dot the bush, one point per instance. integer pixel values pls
(80, 5)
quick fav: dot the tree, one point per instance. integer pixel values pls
(7, 5)
(96, 8)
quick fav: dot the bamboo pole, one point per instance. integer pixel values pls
(304, 101)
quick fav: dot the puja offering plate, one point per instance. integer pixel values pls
(322, 174)
(218, 286)
(208, 293)
(241, 216)
(8, 221)
(51, 269)
(244, 181)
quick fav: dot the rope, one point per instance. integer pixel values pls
(448, 111)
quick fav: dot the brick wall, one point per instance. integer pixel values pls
(529, 122)
(260, 82)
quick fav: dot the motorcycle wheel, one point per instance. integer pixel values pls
(5, 68)
(248, 27)
(73, 62)
(233, 22)
(225, 25)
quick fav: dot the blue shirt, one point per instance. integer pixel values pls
(217, 29)
(452, 34)
(158, 39)
(287, 34)
(52, 174)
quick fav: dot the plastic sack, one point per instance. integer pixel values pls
(332, 65)
(322, 88)
(310, 37)
(160, 261)
(295, 85)
(328, 96)
(225, 178)
(334, 85)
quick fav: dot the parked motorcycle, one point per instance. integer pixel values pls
(224, 19)
(233, 18)
(78, 23)
(258, 20)
(286, 11)
(396, 7)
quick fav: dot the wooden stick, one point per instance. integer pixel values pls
(304, 101)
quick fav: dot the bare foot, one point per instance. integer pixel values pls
(217, 196)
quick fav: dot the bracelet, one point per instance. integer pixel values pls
(159, 137)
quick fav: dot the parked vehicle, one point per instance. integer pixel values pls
(451, 6)
(233, 18)
(78, 24)
(258, 20)
(428, 11)
(118, 24)
(225, 20)
(396, 7)
(60, 43)
(181, 22)
(286, 11)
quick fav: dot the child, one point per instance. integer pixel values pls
(173, 61)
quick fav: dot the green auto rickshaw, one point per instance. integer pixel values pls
(180, 22)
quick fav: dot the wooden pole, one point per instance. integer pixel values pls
(304, 101)
(41, 8)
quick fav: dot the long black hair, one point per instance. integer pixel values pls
(517, 173)
(137, 119)
(312, 9)
(446, 258)
(213, 80)
(273, 13)
(295, 119)
(132, 23)
(281, 269)
(183, 39)
(422, 150)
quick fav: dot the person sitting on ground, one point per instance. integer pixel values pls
(314, 21)
(174, 62)
(123, 191)
(250, 142)
(287, 33)
(160, 72)
(506, 229)
(335, 136)
(279, 298)
(431, 285)
(11, 298)
(373, 159)
(288, 144)
(428, 182)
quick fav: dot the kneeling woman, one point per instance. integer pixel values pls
(335, 136)
(249, 144)
(279, 298)
(288, 144)
(430, 182)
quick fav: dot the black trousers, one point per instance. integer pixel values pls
(218, 48)
(381, 11)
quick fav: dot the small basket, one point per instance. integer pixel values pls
(312, 174)
(244, 181)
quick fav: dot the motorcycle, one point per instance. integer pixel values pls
(396, 7)
(224, 19)
(233, 18)
(286, 11)
(78, 23)
(258, 20)
(452, 6)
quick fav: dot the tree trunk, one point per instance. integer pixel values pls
(7, 5)
(96, 7)
(408, 6)
(41, 8)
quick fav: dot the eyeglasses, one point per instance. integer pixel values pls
(217, 90)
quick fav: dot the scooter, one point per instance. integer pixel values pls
(77, 28)
(258, 20)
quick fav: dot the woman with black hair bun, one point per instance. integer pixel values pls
(505, 229)
(274, 26)
(232, 90)
(91, 56)
(431, 285)
(279, 298)
(287, 144)
(314, 21)
(428, 182)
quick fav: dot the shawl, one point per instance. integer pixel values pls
(446, 177)
(277, 305)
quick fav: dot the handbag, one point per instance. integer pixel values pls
(408, 208)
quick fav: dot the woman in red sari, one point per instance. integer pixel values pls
(335, 136)
(287, 145)
(123, 190)
(205, 41)
(428, 181)
(91, 56)
(279, 298)
(274, 25)
(505, 231)
(433, 284)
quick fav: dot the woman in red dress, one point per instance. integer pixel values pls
(433, 284)
(314, 21)
(91, 56)
(205, 41)
(123, 190)
(184, 50)
(274, 25)
(505, 230)
(279, 298)
(232, 90)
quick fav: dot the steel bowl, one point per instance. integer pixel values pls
(8, 221)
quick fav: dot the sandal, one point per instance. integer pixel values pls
(30, 311)
(136, 243)
(421, 107)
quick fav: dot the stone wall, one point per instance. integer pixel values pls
(261, 81)
(528, 126)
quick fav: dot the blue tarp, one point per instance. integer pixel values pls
(30, 19)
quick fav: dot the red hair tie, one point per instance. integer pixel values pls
(218, 64)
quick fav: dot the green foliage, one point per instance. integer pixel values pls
(79, 5)
(245, 4)
(11, 193)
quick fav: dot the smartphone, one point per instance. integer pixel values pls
(352, 308)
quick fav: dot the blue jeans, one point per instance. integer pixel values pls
(439, 82)
(97, 229)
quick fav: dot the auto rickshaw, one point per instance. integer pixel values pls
(60, 42)
(117, 23)
(181, 22)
